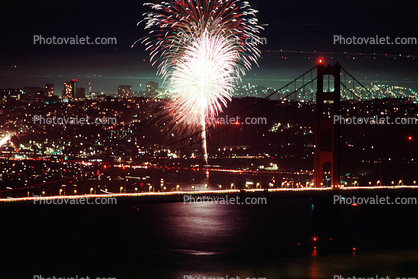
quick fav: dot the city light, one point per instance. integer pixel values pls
(231, 140)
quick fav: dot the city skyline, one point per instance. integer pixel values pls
(365, 67)
(292, 44)
(151, 89)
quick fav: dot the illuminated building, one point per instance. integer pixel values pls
(40, 96)
(29, 93)
(49, 88)
(125, 91)
(10, 94)
(69, 89)
(152, 88)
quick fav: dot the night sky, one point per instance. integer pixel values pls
(293, 26)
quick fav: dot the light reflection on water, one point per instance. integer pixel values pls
(204, 227)
(171, 240)
(216, 240)
(393, 264)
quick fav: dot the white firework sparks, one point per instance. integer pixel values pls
(203, 48)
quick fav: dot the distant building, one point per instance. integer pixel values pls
(69, 89)
(30, 93)
(49, 89)
(9, 94)
(152, 88)
(125, 91)
(80, 93)
(139, 93)
(40, 96)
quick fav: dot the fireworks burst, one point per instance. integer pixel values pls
(202, 48)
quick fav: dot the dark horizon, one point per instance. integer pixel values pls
(288, 28)
(268, 74)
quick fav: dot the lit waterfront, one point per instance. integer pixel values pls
(25, 179)
(180, 195)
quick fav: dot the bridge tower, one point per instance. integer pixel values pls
(327, 138)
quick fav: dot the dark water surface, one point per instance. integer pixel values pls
(176, 240)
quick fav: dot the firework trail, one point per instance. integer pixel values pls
(202, 49)
(5, 139)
